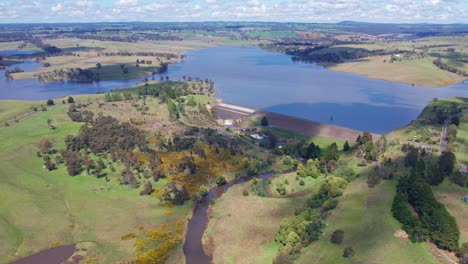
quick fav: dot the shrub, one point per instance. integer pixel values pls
(220, 180)
(281, 189)
(50, 102)
(203, 191)
(329, 204)
(348, 252)
(337, 237)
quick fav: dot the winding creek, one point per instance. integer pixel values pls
(193, 246)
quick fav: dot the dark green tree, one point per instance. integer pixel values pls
(50, 102)
(447, 162)
(264, 121)
(337, 237)
(70, 100)
(346, 146)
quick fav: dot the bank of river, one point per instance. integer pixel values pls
(55, 255)
(252, 77)
(193, 246)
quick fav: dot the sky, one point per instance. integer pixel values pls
(393, 11)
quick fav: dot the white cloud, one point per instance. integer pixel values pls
(254, 10)
(57, 7)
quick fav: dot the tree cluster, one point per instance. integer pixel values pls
(431, 220)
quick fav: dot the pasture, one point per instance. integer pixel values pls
(40, 209)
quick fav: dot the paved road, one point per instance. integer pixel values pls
(379, 169)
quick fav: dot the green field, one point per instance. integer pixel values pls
(39, 209)
(364, 215)
(462, 141)
(451, 195)
(114, 72)
(321, 141)
(291, 183)
(10, 109)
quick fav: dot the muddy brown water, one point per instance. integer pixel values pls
(54, 255)
(193, 247)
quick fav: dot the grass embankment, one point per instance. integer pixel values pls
(40, 208)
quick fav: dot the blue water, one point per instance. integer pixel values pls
(17, 52)
(252, 77)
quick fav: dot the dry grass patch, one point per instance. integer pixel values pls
(419, 72)
(243, 227)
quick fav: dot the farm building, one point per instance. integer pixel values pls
(463, 169)
(465, 198)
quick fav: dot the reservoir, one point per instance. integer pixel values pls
(252, 77)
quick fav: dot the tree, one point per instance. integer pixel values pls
(98, 66)
(49, 165)
(220, 180)
(97, 169)
(337, 237)
(366, 137)
(89, 164)
(460, 179)
(50, 102)
(264, 121)
(452, 133)
(331, 153)
(45, 145)
(346, 146)
(49, 124)
(73, 162)
(447, 162)
(147, 189)
(455, 121)
(382, 144)
(348, 252)
(283, 258)
(371, 151)
(70, 100)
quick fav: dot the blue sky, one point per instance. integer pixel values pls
(433, 11)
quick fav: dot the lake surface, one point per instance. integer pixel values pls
(252, 77)
(17, 52)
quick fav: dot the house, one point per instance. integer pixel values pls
(256, 136)
(463, 169)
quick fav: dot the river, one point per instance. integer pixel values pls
(256, 78)
(193, 247)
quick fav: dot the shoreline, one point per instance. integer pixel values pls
(227, 112)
